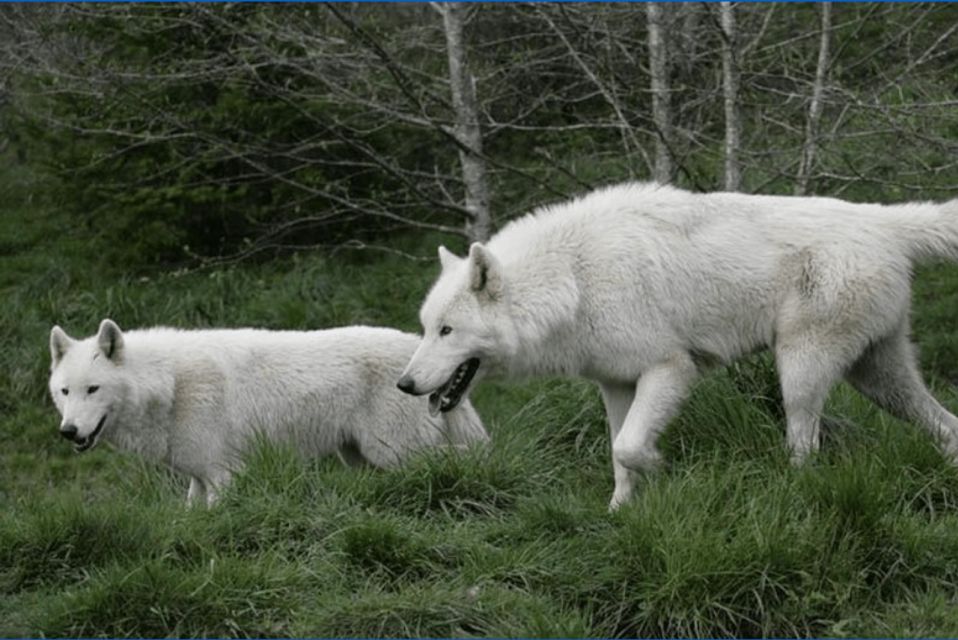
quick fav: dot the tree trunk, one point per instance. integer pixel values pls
(661, 108)
(816, 106)
(468, 133)
(730, 84)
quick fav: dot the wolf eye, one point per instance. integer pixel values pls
(65, 391)
(445, 330)
(92, 388)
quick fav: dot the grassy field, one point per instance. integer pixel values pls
(512, 540)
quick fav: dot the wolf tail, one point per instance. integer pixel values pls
(464, 425)
(935, 235)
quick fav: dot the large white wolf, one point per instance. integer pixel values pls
(194, 399)
(638, 286)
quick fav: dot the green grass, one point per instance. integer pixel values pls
(510, 540)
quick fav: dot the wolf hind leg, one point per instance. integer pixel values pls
(809, 365)
(887, 374)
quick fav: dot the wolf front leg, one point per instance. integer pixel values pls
(658, 396)
(618, 400)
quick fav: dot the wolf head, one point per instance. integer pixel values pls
(85, 382)
(467, 330)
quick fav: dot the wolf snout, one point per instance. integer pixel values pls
(69, 431)
(407, 385)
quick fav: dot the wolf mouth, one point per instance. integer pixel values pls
(88, 442)
(448, 396)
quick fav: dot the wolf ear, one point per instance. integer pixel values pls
(110, 340)
(447, 258)
(59, 343)
(486, 273)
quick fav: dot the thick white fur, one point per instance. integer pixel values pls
(194, 399)
(637, 286)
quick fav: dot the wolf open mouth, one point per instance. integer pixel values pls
(88, 442)
(446, 397)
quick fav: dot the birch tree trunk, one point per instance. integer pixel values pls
(730, 85)
(661, 108)
(815, 108)
(467, 132)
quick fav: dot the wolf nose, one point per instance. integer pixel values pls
(68, 431)
(406, 385)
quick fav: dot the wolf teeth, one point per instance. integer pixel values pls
(460, 374)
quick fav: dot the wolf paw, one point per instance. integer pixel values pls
(618, 500)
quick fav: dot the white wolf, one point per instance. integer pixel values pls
(194, 399)
(638, 286)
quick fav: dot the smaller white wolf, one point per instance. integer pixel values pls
(195, 399)
(639, 286)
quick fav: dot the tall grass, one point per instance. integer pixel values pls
(512, 539)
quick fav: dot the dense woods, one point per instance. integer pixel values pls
(181, 133)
